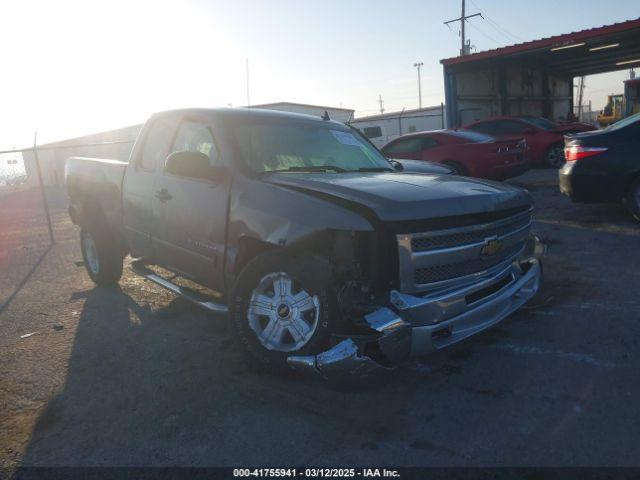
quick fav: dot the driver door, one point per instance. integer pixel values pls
(193, 210)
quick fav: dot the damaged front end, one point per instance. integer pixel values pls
(348, 358)
(417, 324)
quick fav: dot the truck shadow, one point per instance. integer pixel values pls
(168, 386)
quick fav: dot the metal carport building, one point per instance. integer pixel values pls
(535, 78)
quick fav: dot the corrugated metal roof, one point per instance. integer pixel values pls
(548, 42)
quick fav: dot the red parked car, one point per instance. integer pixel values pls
(469, 153)
(545, 138)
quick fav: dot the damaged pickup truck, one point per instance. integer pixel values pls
(325, 257)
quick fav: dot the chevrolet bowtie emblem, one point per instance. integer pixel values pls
(491, 247)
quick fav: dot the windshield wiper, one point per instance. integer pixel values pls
(313, 168)
(374, 169)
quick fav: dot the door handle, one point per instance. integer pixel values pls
(163, 195)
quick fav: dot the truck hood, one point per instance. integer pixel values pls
(407, 196)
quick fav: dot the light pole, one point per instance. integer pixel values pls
(419, 66)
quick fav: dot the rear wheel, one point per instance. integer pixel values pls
(555, 156)
(283, 305)
(101, 253)
(633, 199)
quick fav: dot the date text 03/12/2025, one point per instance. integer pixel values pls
(316, 473)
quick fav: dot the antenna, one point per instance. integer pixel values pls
(248, 97)
(381, 104)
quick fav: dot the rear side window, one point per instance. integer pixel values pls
(507, 127)
(372, 132)
(157, 143)
(195, 136)
(409, 145)
(487, 127)
(429, 142)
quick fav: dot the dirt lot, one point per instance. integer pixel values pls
(135, 376)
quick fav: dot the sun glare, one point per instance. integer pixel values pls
(90, 68)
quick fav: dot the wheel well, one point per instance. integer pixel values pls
(248, 249)
(92, 213)
(90, 208)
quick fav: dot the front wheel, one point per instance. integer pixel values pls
(555, 156)
(283, 306)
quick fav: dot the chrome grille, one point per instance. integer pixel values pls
(422, 244)
(438, 273)
(443, 258)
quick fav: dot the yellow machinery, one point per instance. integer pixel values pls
(613, 110)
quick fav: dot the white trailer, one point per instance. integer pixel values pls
(381, 129)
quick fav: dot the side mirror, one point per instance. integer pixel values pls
(397, 166)
(192, 165)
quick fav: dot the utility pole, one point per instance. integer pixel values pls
(580, 96)
(419, 66)
(464, 49)
(380, 102)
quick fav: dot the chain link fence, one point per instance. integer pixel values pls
(33, 207)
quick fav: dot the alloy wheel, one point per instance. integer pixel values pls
(555, 157)
(283, 315)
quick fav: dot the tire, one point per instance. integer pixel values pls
(554, 157)
(633, 199)
(101, 253)
(270, 324)
(458, 167)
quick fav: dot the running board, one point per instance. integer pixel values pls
(202, 301)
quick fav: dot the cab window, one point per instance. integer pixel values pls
(195, 136)
(156, 143)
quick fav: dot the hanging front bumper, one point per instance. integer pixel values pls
(414, 325)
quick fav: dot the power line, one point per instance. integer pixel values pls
(505, 33)
(487, 36)
(497, 27)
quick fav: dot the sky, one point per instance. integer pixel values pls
(74, 67)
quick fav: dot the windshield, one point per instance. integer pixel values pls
(625, 122)
(269, 145)
(540, 122)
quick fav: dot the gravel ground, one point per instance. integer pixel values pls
(135, 376)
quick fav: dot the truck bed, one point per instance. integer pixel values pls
(95, 180)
